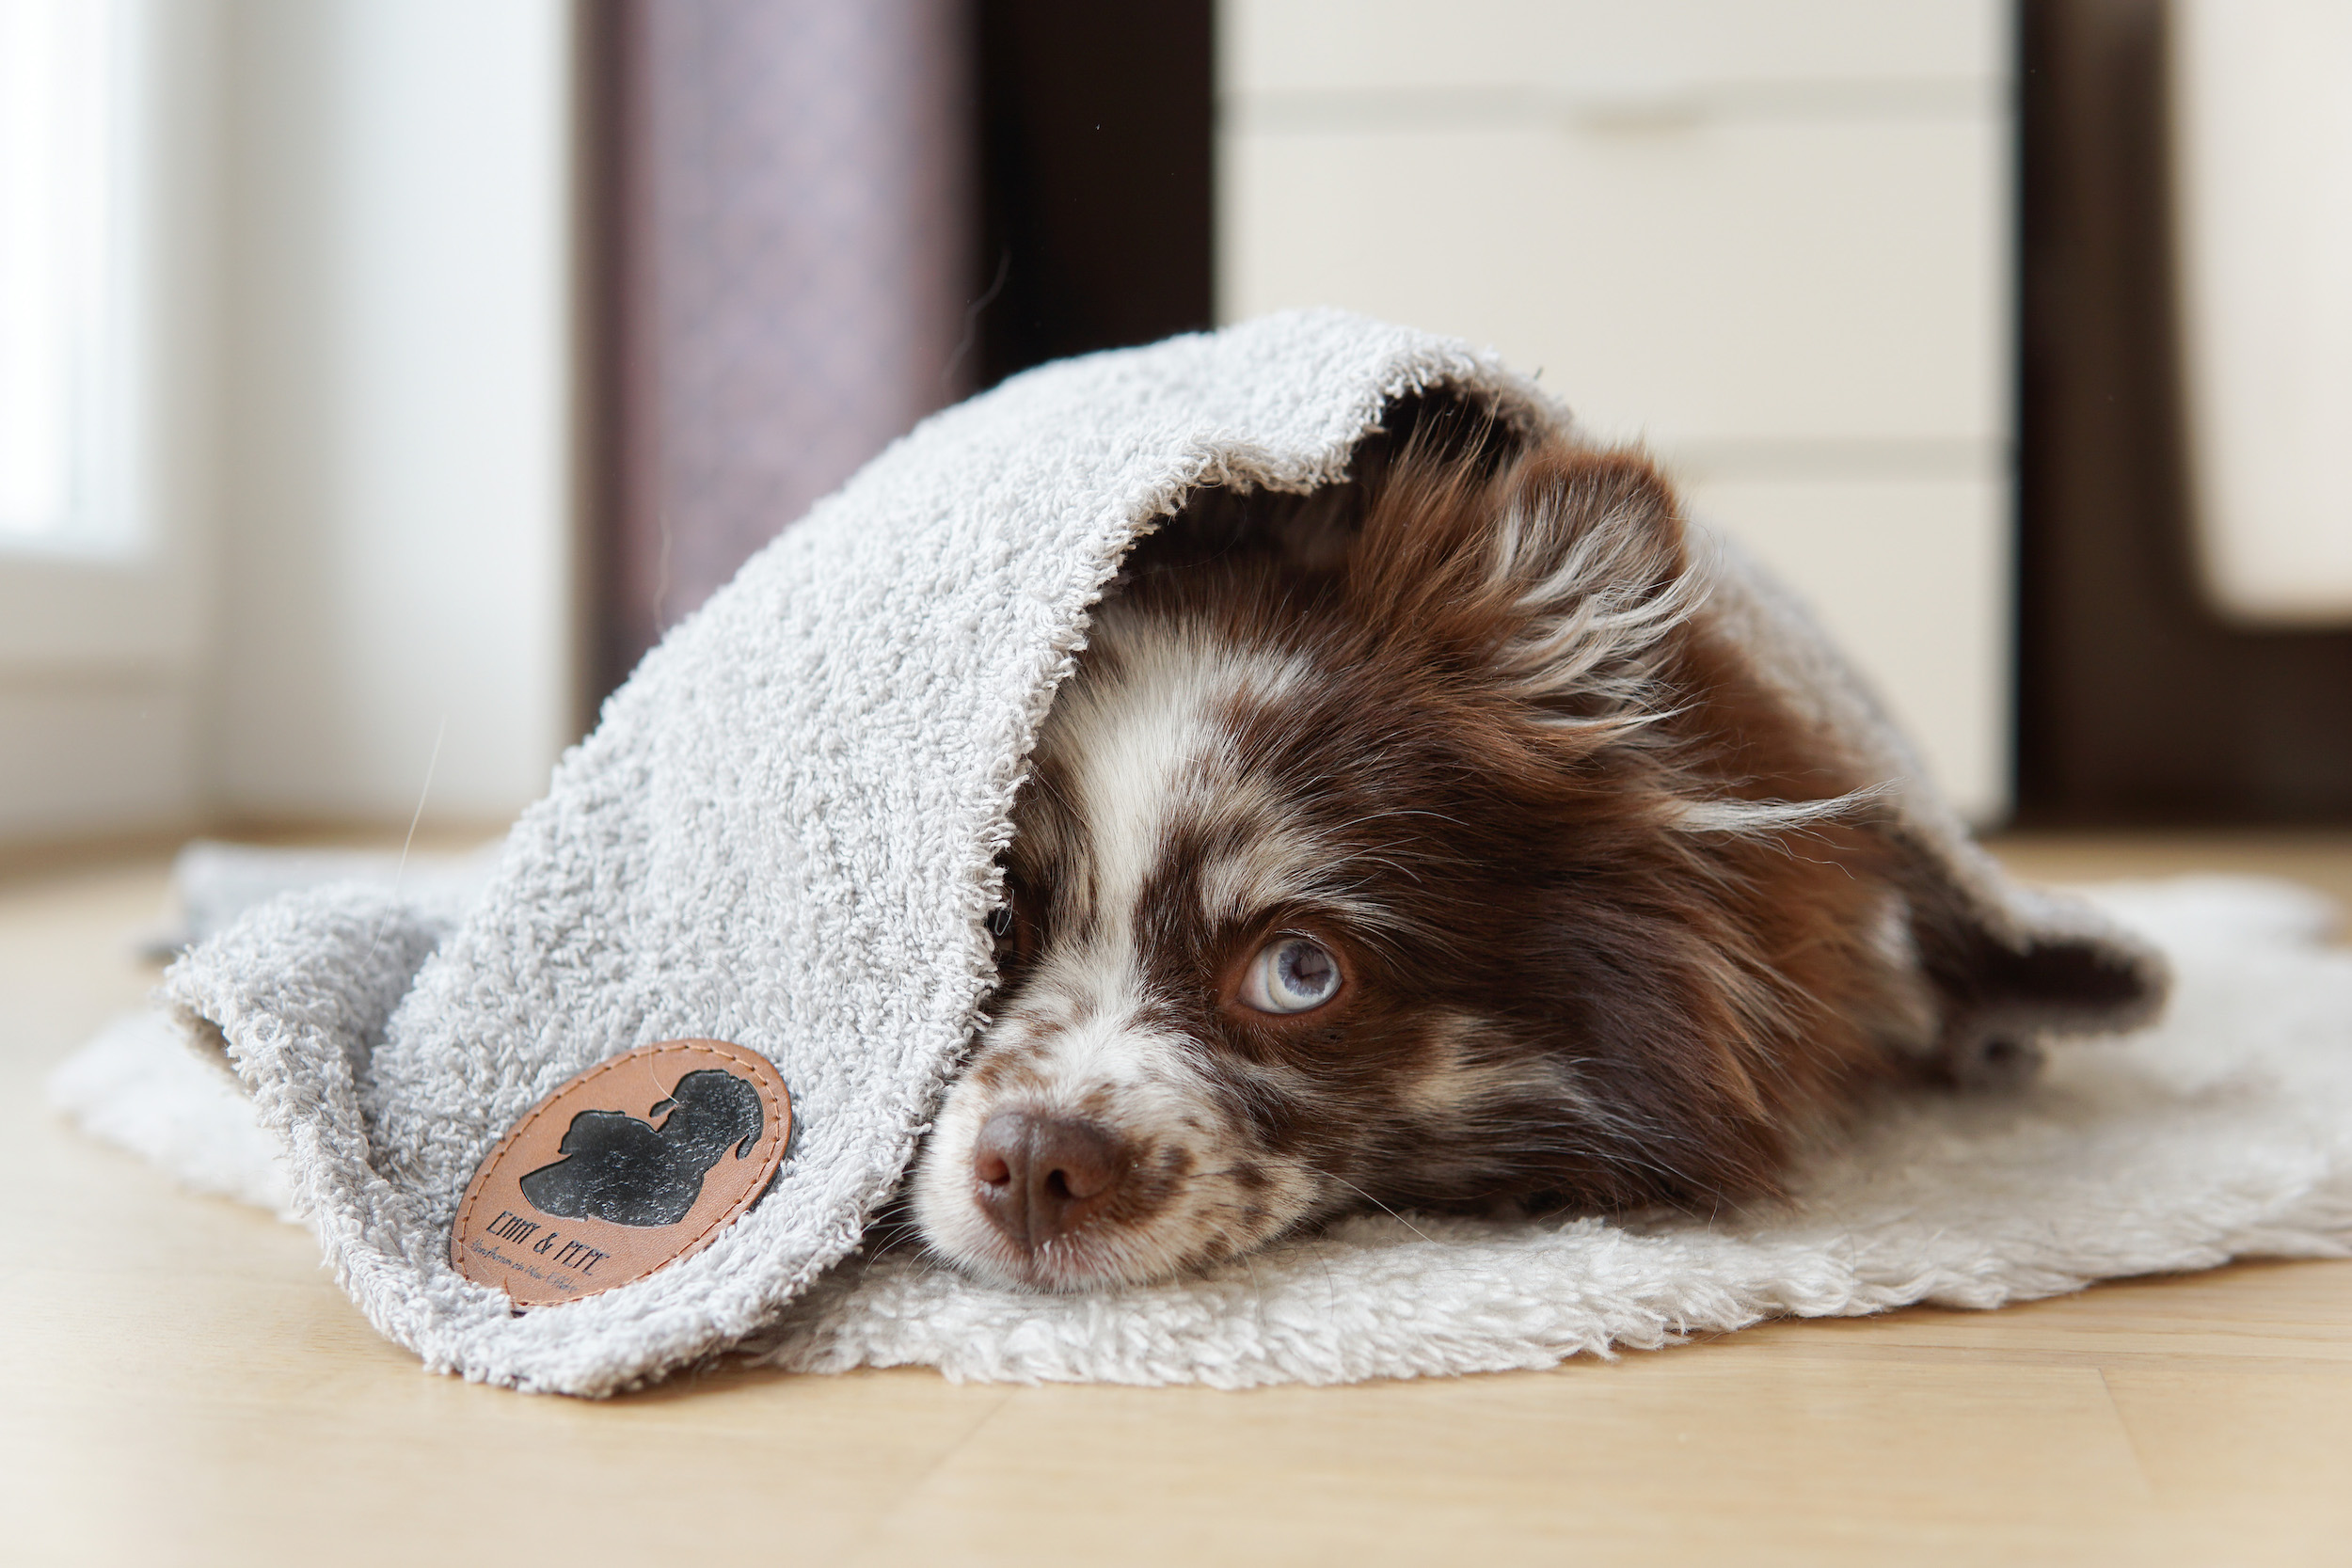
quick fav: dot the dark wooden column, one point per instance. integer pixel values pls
(2137, 703)
(1097, 206)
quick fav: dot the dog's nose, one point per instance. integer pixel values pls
(1041, 1175)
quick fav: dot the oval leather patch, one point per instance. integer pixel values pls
(635, 1164)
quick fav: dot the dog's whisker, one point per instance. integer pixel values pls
(1329, 1176)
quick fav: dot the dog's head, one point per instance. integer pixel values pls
(1423, 857)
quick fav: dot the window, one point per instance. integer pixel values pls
(66, 326)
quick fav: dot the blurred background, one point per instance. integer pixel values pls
(378, 378)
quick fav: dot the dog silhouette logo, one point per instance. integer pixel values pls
(624, 1171)
(584, 1195)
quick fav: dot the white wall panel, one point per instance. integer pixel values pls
(397, 515)
(2263, 128)
(1357, 45)
(1736, 282)
(1912, 579)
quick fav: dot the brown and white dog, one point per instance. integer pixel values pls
(1418, 846)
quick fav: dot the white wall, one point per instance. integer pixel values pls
(1769, 238)
(2263, 153)
(358, 517)
(397, 509)
(105, 633)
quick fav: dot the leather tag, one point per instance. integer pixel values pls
(635, 1164)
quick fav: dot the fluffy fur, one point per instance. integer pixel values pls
(1613, 928)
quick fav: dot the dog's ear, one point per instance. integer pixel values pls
(1564, 571)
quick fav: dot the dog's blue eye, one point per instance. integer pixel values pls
(1291, 975)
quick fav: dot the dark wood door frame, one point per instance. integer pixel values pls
(2137, 703)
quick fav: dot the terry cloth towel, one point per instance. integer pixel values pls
(782, 833)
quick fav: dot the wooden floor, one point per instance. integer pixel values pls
(180, 1384)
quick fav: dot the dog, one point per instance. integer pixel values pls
(1420, 845)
